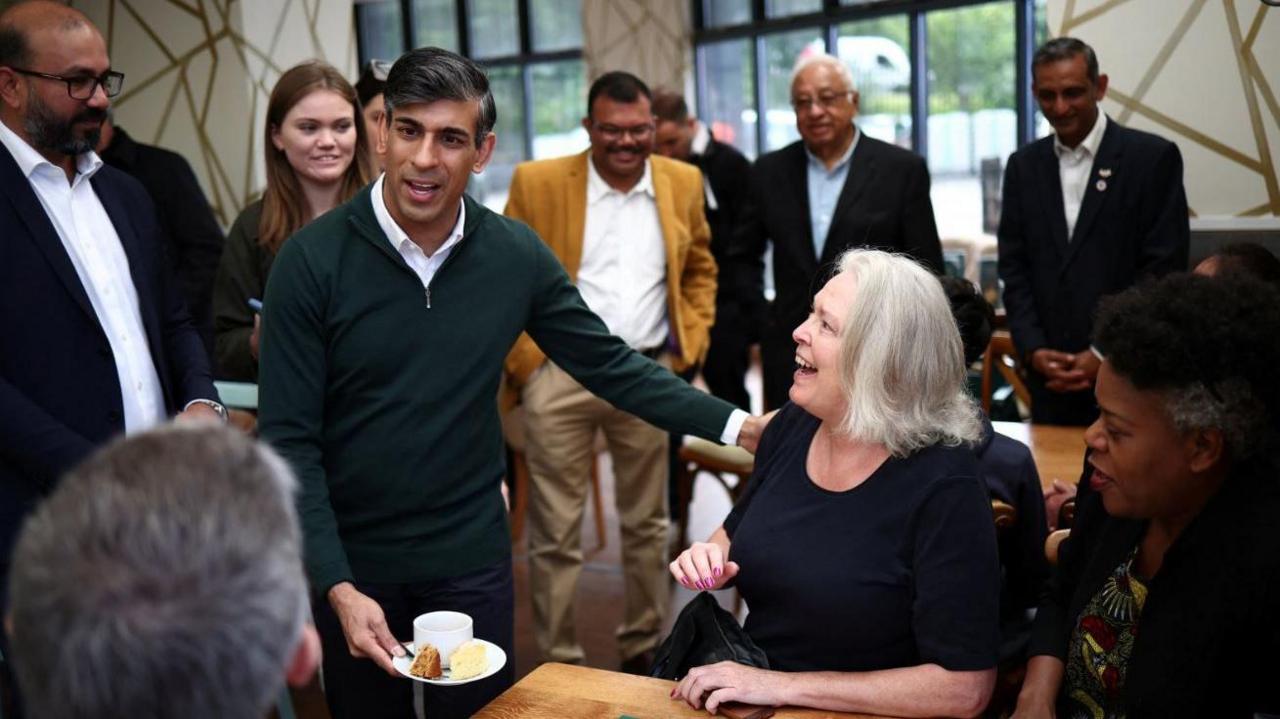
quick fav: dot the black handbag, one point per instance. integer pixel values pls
(705, 634)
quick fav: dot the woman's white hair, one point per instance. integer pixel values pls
(901, 360)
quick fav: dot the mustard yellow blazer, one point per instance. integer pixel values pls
(551, 197)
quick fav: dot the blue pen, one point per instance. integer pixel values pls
(256, 304)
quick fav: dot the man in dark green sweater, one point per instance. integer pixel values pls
(385, 326)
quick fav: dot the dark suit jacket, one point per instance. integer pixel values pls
(1136, 227)
(59, 391)
(728, 172)
(884, 204)
(193, 239)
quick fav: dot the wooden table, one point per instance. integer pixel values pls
(1058, 451)
(564, 691)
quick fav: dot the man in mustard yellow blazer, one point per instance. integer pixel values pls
(630, 231)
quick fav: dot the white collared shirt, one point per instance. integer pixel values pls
(623, 274)
(423, 266)
(92, 244)
(1074, 167)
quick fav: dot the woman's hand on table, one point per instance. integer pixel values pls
(703, 566)
(714, 684)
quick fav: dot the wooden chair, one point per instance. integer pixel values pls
(513, 433)
(699, 455)
(1001, 356)
(1005, 515)
(1052, 543)
(1067, 514)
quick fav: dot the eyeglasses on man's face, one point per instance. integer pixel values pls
(613, 133)
(82, 87)
(825, 99)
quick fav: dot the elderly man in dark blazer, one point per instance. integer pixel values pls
(833, 189)
(96, 338)
(1087, 212)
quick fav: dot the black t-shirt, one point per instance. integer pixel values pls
(898, 571)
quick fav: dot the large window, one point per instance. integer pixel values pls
(532, 51)
(947, 78)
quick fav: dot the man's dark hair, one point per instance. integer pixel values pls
(670, 106)
(1209, 345)
(1251, 259)
(1065, 48)
(617, 85)
(973, 314)
(429, 74)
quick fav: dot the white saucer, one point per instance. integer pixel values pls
(497, 660)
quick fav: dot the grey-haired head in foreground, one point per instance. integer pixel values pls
(163, 578)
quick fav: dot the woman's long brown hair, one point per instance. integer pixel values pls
(284, 206)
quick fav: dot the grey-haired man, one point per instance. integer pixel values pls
(163, 578)
(385, 328)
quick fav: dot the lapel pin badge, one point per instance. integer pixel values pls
(1102, 185)
(1104, 172)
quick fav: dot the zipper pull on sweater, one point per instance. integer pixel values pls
(428, 296)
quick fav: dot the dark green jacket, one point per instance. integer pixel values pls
(242, 275)
(383, 397)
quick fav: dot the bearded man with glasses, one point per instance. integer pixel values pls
(97, 340)
(631, 232)
(833, 189)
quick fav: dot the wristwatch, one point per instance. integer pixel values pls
(222, 411)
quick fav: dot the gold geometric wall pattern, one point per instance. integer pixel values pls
(199, 73)
(1203, 73)
(650, 38)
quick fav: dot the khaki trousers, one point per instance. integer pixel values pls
(561, 420)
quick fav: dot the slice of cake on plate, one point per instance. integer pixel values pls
(470, 659)
(426, 663)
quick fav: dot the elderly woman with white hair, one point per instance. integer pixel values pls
(864, 544)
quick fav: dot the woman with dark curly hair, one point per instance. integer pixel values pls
(1166, 600)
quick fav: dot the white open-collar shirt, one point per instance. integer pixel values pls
(92, 244)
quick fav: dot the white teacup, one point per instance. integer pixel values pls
(442, 630)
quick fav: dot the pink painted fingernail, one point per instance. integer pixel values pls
(717, 571)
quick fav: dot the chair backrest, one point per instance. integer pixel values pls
(1005, 515)
(1051, 544)
(1002, 357)
(1067, 514)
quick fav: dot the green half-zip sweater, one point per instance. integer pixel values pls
(383, 396)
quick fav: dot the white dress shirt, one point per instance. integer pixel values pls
(100, 262)
(1075, 165)
(424, 266)
(623, 274)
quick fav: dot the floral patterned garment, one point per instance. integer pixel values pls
(1101, 644)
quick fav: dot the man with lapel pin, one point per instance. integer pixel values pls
(1087, 212)
(833, 189)
(97, 340)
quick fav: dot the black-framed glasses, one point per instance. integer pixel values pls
(82, 87)
(826, 99)
(613, 133)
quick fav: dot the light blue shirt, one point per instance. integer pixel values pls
(824, 191)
